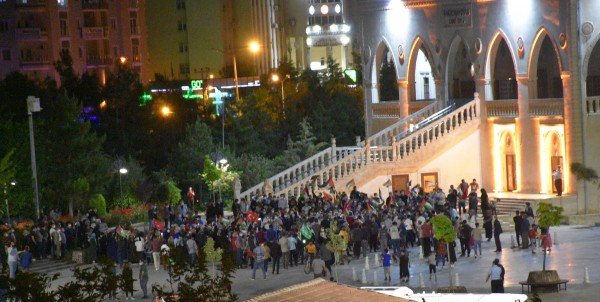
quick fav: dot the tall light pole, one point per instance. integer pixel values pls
(33, 105)
(254, 48)
(275, 78)
(122, 171)
(13, 183)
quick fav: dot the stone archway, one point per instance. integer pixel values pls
(545, 68)
(383, 56)
(500, 70)
(508, 170)
(419, 56)
(461, 85)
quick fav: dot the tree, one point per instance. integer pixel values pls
(548, 215)
(444, 231)
(184, 163)
(255, 168)
(584, 173)
(168, 192)
(304, 146)
(68, 77)
(336, 244)
(72, 163)
(388, 83)
(7, 169)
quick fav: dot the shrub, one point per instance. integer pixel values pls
(99, 203)
(133, 214)
(168, 192)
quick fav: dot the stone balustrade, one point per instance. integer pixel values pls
(384, 136)
(389, 109)
(546, 107)
(502, 108)
(342, 162)
(592, 105)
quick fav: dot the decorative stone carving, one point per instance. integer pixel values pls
(478, 45)
(562, 40)
(401, 54)
(587, 28)
(520, 47)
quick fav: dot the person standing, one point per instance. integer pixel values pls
(404, 264)
(276, 253)
(557, 175)
(517, 222)
(285, 250)
(525, 226)
(143, 277)
(463, 191)
(319, 268)
(496, 273)
(155, 248)
(477, 238)
(13, 257)
(432, 267)
(293, 254)
(497, 232)
(387, 262)
(127, 281)
(25, 259)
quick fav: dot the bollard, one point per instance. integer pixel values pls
(367, 263)
(457, 283)
(512, 242)
(586, 276)
(421, 281)
(555, 239)
(375, 278)
(354, 278)
(376, 261)
(364, 277)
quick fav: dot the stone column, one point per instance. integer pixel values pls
(370, 89)
(572, 126)
(439, 94)
(527, 144)
(403, 98)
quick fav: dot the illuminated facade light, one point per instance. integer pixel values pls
(338, 9)
(316, 29)
(345, 40)
(311, 10)
(309, 41)
(334, 27)
(324, 9)
(308, 30)
(345, 28)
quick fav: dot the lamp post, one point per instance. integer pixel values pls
(254, 48)
(122, 171)
(13, 183)
(33, 105)
(275, 78)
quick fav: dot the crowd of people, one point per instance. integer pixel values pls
(267, 233)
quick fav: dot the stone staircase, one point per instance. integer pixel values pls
(404, 146)
(49, 266)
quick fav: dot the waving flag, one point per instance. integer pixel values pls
(251, 216)
(157, 224)
(329, 184)
(313, 181)
(350, 184)
(327, 197)
(121, 231)
(388, 183)
(306, 232)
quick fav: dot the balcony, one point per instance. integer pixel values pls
(386, 110)
(31, 3)
(98, 61)
(35, 60)
(546, 107)
(504, 108)
(93, 33)
(94, 4)
(30, 33)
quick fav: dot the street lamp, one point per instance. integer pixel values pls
(122, 171)
(13, 183)
(275, 78)
(33, 105)
(166, 111)
(254, 47)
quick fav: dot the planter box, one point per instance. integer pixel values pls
(80, 256)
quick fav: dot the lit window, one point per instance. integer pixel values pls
(311, 10)
(181, 26)
(338, 8)
(324, 9)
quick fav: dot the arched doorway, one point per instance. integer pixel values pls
(424, 82)
(552, 157)
(593, 73)
(545, 71)
(508, 168)
(461, 85)
(384, 75)
(504, 79)
(421, 74)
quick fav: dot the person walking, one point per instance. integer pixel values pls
(477, 238)
(517, 222)
(496, 273)
(143, 277)
(497, 232)
(259, 255)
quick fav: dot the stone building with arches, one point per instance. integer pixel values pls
(534, 67)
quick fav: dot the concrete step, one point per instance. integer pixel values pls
(51, 266)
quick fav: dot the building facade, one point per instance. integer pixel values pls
(96, 32)
(533, 66)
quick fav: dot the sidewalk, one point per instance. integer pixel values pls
(575, 251)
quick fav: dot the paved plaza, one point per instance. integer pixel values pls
(576, 250)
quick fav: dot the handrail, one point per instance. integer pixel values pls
(400, 125)
(345, 161)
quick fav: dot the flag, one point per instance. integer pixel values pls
(251, 216)
(306, 232)
(327, 197)
(313, 181)
(350, 184)
(329, 184)
(388, 183)
(157, 224)
(380, 196)
(408, 184)
(121, 231)
(347, 207)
